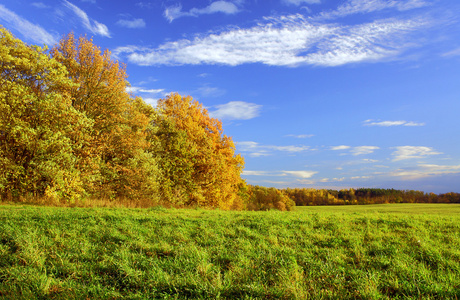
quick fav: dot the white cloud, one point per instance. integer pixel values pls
(409, 152)
(255, 173)
(173, 12)
(301, 174)
(247, 146)
(342, 147)
(285, 41)
(30, 31)
(359, 150)
(259, 154)
(236, 110)
(362, 150)
(39, 5)
(360, 177)
(256, 150)
(332, 179)
(367, 6)
(150, 96)
(455, 52)
(92, 25)
(136, 89)
(368, 160)
(291, 149)
(135, 23)
(425, 170)
(414, 124)
(299, 2)
(143, 5)
(439, 168)
(336, 179)
(301, 136)
(209, 91)
(371, 122)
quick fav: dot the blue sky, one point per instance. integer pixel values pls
(315, 93)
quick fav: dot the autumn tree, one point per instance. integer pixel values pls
(39, 127)
(198, 162)
(263, 198)
(117, 150)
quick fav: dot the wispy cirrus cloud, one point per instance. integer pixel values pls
(209, 91)
(300, 136)
(174, 12)
(358, 150)
(90, 24)
(256, 173)
(255, 149)
(300, 2)
(32, 32)
(410, 152)
(336, 179)
(362, 150)
(291, 40)
(298, 174)
(455, 52)
(39, 5)
(236, 110)
(371, 122)
(425, 170)
(132, 24)
(368, 6)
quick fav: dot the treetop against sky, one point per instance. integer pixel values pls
(315, 93)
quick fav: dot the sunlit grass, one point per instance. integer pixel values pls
(359, 252)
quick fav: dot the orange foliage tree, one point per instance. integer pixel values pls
(198, 162)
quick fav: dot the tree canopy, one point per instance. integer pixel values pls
(198, 161)
(70, 130)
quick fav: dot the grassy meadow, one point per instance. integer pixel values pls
(397, 251)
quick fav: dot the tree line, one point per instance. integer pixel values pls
(360, 196)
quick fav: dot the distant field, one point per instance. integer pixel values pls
(407, 251)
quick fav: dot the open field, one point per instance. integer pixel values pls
(364, 252)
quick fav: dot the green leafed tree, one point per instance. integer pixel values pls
(40, 130)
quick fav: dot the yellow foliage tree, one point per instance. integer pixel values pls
(121, 166)
(39, 129)
(198, 162)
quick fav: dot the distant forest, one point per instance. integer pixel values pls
(70, 131)
(305, 197)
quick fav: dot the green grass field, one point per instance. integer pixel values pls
(408, 251)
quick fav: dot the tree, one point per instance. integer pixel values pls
(39, 128)
(263, 198)
(198, 162)
(117, 149)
